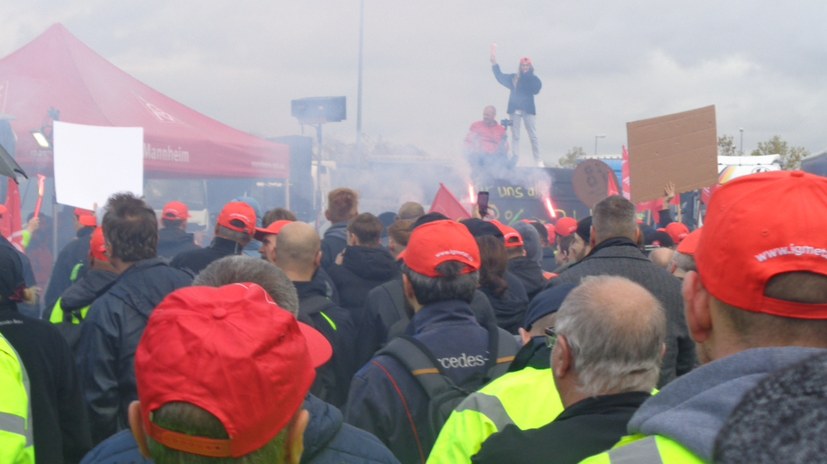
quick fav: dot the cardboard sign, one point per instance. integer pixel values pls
(681, 148)
(591, 181)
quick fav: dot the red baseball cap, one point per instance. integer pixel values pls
(273, 229)
(677, 231)
(86, 217)
(97, 245)
(525, 60)
(238, 216)
(437, 242)
(760, 226)
(231, 351)
(176, 211)
(512, 238)
(690, 243)
(565, 226)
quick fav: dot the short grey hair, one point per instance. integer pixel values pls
(614, 216)
(242, 268)
(616, 330)
(452, 284)
(684, 262)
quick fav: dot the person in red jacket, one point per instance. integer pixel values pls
(486, 144)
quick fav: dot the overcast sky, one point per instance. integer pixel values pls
(426, 69)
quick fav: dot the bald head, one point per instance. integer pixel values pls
(617, 330)
(298, 251)
(661, 256)
(410, 210)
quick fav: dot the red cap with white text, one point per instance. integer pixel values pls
(760, 226)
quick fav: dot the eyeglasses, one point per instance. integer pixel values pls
(551, 337)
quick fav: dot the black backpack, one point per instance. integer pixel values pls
(443, 394)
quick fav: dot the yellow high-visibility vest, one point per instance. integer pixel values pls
(16, 437)
(644, 449)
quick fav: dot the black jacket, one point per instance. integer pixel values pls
(329, 440)
(85, 291)
(110, 335)
(376, 404)
(335, 323)
(28, 277)
(173, 240)
(194, 261)
(521, 96)
(530, 275)
(583, 429)
(75, 252)
(362, 270)
(60, 422)
(333, 242)
(622, 257)
(510, 307)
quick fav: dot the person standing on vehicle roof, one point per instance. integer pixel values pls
(524, 85)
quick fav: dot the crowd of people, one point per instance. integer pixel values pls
(429, 340)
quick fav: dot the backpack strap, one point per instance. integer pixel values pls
(421, 363)
(317, 304)
(500, 355)
(408, 413)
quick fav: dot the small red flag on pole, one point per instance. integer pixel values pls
(446, 203)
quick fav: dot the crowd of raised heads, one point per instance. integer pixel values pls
(412, 337)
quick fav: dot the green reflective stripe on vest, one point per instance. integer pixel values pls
(58, 314)
(329, 320)
(642, 451)
(83, 312)
(75, 271)
(492, 406)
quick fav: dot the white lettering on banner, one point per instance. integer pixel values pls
(791, 249)
(462, 360)
(160, 114)
(268, 166)
(166, 154)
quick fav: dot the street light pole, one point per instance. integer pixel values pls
(599, 136)
(359, 83)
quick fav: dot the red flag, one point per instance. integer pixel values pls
(11, 224)
(611, 188)
(624, 172)
(446, 203)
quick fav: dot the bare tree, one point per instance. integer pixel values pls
(726, 146)
(569, 160)
(790, 156)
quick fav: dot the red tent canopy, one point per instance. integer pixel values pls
(56, 70)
